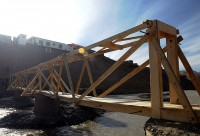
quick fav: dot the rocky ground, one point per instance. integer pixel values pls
(24, 117)
(169, 128)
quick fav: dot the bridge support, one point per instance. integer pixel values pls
(45, 107)
(21, 101)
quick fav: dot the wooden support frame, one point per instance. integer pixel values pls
(80, 78)
(63, 83)
(172, 78)
(69, 79)
(155, 30)
(30, 84)
(172, 56)
(156, 87)
(90, 76)
(114, 66)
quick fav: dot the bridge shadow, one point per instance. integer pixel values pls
(109, 122)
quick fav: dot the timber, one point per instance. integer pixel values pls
(33, 80)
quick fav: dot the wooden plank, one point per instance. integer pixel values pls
(80, 77)
(172, 78)
(169, 111)
(172, 56)
(114, 66)
(156, 87)
(189, 70)
(69, 79)
(90, 76)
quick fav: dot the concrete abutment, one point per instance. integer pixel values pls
(46, 107)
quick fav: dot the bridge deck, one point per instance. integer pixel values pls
(168, 111)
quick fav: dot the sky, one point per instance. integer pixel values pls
(88, 21)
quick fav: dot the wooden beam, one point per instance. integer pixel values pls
(13, 83)
(99, 53)
(63, 83)
(163, 27)
(121, 35)
(30, 84)
(156, 87)
(114, 66)
(143, 108)
(172, 56)
(124, 79)
(46, 80)
(40, 82)
(172, 78)
(113, 46)
(34, 89)
(127, 77)
(59, 78)
(189, 70)
(90, 76)
(69, 79)
(80, 77)
(129, 38)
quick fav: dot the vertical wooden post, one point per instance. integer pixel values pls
(40, 82)
(172, 56)
(69, 79)
(59, 78)
(172, 78)
(51, 79)
(156, 87)
(80, 78)
(90, 76)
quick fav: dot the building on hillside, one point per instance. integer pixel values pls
(5, 39)
(21, 39)
(48, 43)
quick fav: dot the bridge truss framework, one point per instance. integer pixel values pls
(34, 80)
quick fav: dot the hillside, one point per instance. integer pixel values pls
(14, 58)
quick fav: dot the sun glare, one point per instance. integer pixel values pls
(81, 50)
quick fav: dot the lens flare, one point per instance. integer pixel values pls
(81, 50)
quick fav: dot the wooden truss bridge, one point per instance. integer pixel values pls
(48, 75)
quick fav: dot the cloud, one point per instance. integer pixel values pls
(191, 43)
